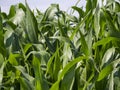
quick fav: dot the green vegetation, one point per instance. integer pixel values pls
(58, 51)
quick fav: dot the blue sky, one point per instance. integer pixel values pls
(41, 4)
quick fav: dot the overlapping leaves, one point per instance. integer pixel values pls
(58, 51)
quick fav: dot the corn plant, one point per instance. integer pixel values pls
(55, 50)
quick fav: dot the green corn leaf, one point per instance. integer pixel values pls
(67, 54)
(50, 12)
(88, 5)
(26, 48)
(2, 59)
(79, 10)
(107, 70)
(26, 75)
(84, 45)
(69, 65)
(2, 46)
(107, 56)
(31, 26)
(105, 41)
(111, 85)
(114, 32)
(25, 84)
(68, 80)
(97, 21)
(22, 6)
(50, 46)
(117, 7)
(12, 59)
(89, 41)
(49, 64)
(57, 66)
(55, 86)
(12, 11)
(40, 84)
(61, 38)
(18, 17)
(1, 26)
(79, 25)
(64, 71)
(1, 72)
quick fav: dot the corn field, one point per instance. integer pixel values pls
(55, 50)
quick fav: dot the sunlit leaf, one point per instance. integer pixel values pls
(40, 83)
(107, 70)
(31, 26)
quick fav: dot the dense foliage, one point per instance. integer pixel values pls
(58, 51)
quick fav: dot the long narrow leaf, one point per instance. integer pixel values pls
(107, 70)
(31, 26)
